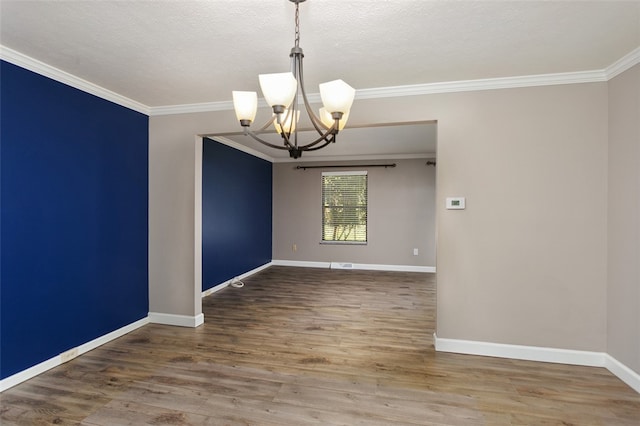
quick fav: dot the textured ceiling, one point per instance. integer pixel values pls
(163, 53)
(167, 53)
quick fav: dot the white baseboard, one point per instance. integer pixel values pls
(393, 268)
(57, 360)
(354, 266)
(301, 263)
(179, 320)
(226, 284)
(542, 354)
(623, 372)
(216, 288)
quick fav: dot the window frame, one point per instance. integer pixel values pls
(366, 207)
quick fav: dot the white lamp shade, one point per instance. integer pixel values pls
(337, 96)
(278, 88)
(289, 123)
(327, 119)
(245, 104)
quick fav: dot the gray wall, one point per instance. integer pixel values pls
(401, 215)
(623, 296)
(525, 263)
(172, 177)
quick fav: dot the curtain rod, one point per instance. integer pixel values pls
(341, 166)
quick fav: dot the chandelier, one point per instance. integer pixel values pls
(282, 91)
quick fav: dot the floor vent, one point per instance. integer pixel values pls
(337, 265)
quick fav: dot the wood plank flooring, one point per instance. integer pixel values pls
(301, 346)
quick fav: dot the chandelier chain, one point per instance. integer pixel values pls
(297, 38)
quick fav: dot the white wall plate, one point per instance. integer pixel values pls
(455, 203)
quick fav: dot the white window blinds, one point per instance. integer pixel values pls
(344, 206)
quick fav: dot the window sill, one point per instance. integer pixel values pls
(348, 243)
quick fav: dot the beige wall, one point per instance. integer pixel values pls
(623, 296)
(171, 211)
(401, 215)
(525, 263)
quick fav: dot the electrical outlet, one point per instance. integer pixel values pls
(294, 247)
(415, 251)
(69, 355)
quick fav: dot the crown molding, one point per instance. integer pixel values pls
(191, 108)
(213, 106)
(24, 61)
(621, 65)
(483, 84)
(416, 89)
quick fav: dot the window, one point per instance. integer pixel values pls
(344, 207)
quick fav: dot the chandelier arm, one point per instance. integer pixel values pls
(327, 142)
(267, 124)
(323, 137)
(254, 136)
(285, 135)
(264, 127)
(317, 123)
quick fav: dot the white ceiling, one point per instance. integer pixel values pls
(166, 53)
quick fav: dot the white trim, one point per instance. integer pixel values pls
(214, 106)
(239, 147)
(623, 372)
(621, 65)
(225, 284)
(347, 173)
(541, 354)
(355, 266)
(529, 353)
(57, 360)
(191, 108)
(417, 89)
(394, 268)
(197, 227)
(483, 84)
(178, 320)
(86, 347)
(340, 265)
(216, 288)
(56, 74)
(29, 373)
(301, 264)
(593, 76)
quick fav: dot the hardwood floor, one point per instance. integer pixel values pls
(313, 347)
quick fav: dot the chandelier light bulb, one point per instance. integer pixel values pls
(337, 96)
(288, 123)
(246, 105)
(278, 89)
(327, 119)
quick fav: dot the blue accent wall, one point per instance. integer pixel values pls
(236, 213)
(73, 218)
